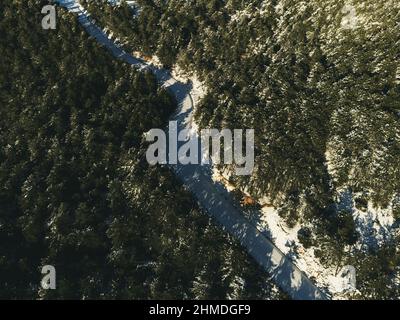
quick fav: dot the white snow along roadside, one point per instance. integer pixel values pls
(213, 197)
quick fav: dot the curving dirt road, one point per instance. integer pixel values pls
(212, 196)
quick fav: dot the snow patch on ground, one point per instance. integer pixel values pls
(286, 239)
(375, 226)
(198, 90)
(349, 20)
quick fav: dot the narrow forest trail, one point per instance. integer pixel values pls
(213, 197)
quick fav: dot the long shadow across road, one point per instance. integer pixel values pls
(211, 196)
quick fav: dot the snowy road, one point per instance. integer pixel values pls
(213, 197)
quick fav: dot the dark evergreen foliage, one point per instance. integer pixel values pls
(75, 189)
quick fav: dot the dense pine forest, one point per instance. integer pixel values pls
(285, 69)
(319, 81)
(75, 189)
